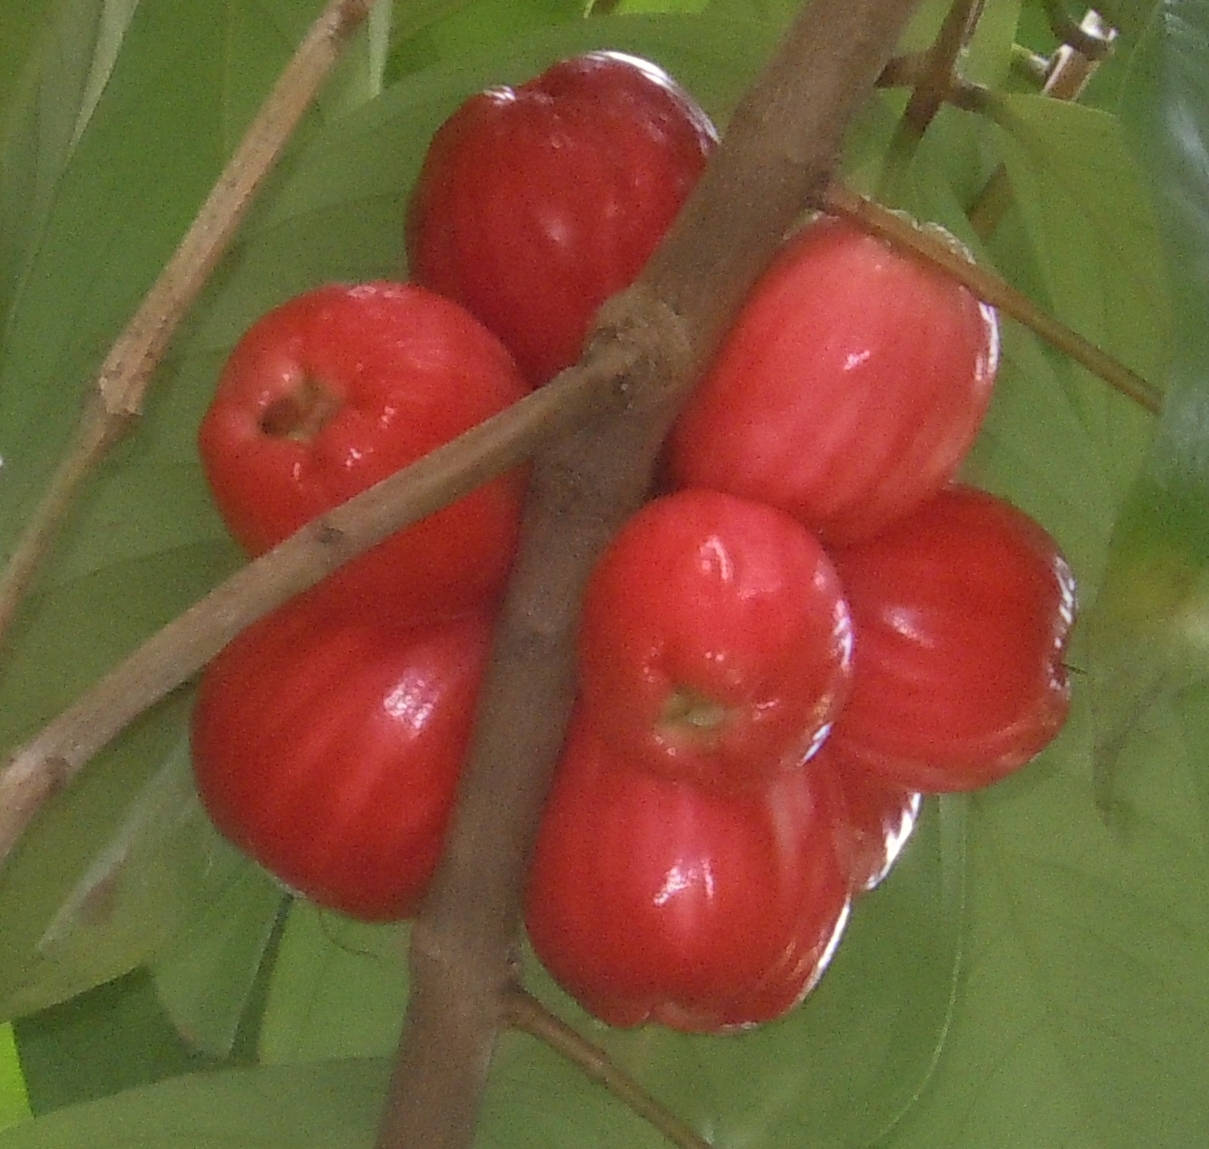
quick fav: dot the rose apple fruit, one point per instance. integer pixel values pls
(961, 615)
(337, 389)
(328, 748)
(715, 643)
(848, 389)
(653, 899)
(536, 203)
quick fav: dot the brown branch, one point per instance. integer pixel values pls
(932, 87)
(522, 1011)
(116, 398)
(777, 155)
(994, 290)
(52, 759)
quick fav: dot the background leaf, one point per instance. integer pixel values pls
(1148, 632)
(325, 1106)
(14, 1103)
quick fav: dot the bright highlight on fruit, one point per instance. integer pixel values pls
(848, 390)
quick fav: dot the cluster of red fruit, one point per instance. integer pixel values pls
(809, 629)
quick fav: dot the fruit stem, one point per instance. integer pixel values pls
(528, 1015)
(992, 289)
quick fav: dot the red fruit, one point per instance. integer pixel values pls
(874, 822)
(537, 203)
(340, 387)
(329, 749)
(715, 641)
(961, 615)
(848, 390)
(652, 899)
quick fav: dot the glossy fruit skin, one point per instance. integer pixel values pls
(848, 390)
(875, 820)
(536, 203)
(328, 748)
(338, 388)
(715, 644)
(655, 900)
(962, 613)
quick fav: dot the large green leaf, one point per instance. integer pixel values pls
(324, 1106)
(1149, 629)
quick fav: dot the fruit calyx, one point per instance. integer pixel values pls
(300, 414)
(687, 712)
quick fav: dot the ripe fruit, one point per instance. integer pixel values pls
(848, 390)
(329, 747)
(874, 822)
(652, 899)
(961, 614)
(715, 644)
(338, 388)
(537, 203)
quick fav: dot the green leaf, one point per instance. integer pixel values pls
(88, 902)
(327, 1106)
(1148, 634)
(1089, 217)
(1131, 17)
(486, 24)
(339, 988)
(14, 1104)
(112, 1038)
(1083, 1017)
(54, 60)
(206, 975)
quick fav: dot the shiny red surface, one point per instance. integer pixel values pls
(876, 818)
(378, 375)
(536, 203)
(653, 899)
(715, 643)
(961, 615)
(329, 749)
(848, 390)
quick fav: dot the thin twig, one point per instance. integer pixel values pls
(116, 398)
(934, 83)
(522, 1011)
(932, 87)
(992, 289)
